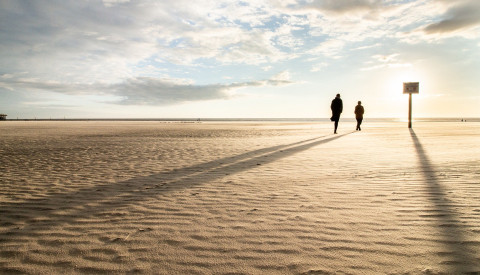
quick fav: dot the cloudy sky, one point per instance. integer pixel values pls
(237, 59)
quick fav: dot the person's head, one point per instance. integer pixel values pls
(359, 103)
(338, 95)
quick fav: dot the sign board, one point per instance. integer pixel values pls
(410, 87)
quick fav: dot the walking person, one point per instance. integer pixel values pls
(359, 111)
(337, 108)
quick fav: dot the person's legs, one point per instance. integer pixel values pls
(359, 122)
(336, 126)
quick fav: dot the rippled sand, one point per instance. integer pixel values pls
(239, 198)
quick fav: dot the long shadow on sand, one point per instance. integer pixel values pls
(450, 228)
(31, 217)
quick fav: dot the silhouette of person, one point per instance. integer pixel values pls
(359, 111)
(337, 108)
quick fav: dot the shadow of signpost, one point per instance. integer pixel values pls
(450, 228)
(36, 214)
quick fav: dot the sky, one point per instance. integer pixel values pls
(237, 59)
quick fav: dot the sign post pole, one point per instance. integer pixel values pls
(410, 110)
(410, 88)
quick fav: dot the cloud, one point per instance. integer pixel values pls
(152, 91)
(390, 61)
(110, 3)
(318, 67)
(78, 40)
(345, 6)
(330, 48)
(386, 58)
(149, 52)
(459, 17)
(281, 77)
(109, 40)
(143, 90)
(14, 83)
(113, 40)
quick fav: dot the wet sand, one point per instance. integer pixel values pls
(239, 198)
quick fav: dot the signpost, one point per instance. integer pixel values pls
(410, 88)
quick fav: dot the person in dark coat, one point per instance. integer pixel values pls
(359, 111)
(337, 108)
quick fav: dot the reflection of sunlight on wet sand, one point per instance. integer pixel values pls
(405, 119)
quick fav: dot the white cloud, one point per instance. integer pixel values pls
(282, 76)
(319, 67)
(386, 58)
(330, 48)
(91, 42)
(267, 68)
(154, 52)
(374, 67)
(386, 61)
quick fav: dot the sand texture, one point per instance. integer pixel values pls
(239, 198)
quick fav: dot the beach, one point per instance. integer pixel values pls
(245, 197)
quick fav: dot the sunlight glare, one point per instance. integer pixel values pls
(394, 83)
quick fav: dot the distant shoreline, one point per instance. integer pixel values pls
(249, 119)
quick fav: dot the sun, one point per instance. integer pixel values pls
(394, 81)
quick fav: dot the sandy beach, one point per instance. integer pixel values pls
(239, 198)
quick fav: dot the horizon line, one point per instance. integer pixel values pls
(399, 119)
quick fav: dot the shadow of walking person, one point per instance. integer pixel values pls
(33, 216)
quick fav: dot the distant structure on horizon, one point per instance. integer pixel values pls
(3, 117)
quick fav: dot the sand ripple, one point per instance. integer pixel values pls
(238, 198)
